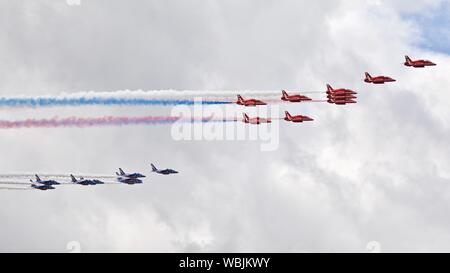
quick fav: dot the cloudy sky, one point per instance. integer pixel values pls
(375, 171)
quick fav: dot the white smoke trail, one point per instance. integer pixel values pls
(142, 98)
(11, 188)
(48, 176)
(61, 183)
(14, 183)
(165, 94)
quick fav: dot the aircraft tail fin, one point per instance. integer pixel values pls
(368, 77)
(288, 116)
(73, 178)
(121, 171)
(38, 179)
(246, 119)
(154, 169)
(285, 94)
(240, 99)
(329, 88)
(408, 60)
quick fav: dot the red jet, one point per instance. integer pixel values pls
(293, 98)
(340, 91)
(377, 79)
(249, 102)
(417, 63)
(256, 120)
(340, 96)
(298, 118)
(339, 101)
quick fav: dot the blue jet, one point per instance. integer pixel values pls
(44, 182)
(97, 182)
(129, 181)
(81, 181)
(122, 174)
(42, 187)
(165, 171)
(86, 182)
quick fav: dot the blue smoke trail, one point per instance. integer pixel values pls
(36, 102)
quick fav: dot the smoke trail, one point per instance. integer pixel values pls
(35, 102)
(61, 183)
(139, 97)
(75, 184)
(83, 122)
(11, 188)
(46, 176)
(14, 183)
(100, 121)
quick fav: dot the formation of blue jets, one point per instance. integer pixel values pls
(122, 177)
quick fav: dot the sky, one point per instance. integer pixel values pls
(434, 26)
(377, 171)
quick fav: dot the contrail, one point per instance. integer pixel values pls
(14, 183)
(75, 184)
(45, 176)
(61, 183)
(11, 188)
(35, 102)
(100, 121)
(139, 97)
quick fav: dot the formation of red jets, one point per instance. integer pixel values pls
(339, 96)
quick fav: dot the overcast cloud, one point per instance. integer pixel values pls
(375, 171)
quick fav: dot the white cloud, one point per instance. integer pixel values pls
(377, 170)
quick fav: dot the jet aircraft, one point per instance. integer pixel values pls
(340, 96)
(340, 101)
(340, 91)
(293, 98)
(129, 175)
(256, 120)
(44, 182)
(377, 79)
(249, 102)
(297, 118)
(81, 181)
(42, 187)
(417, 63)
(129, 181)
(162, 171)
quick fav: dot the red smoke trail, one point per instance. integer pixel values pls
(99, 121)
(83, 122)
